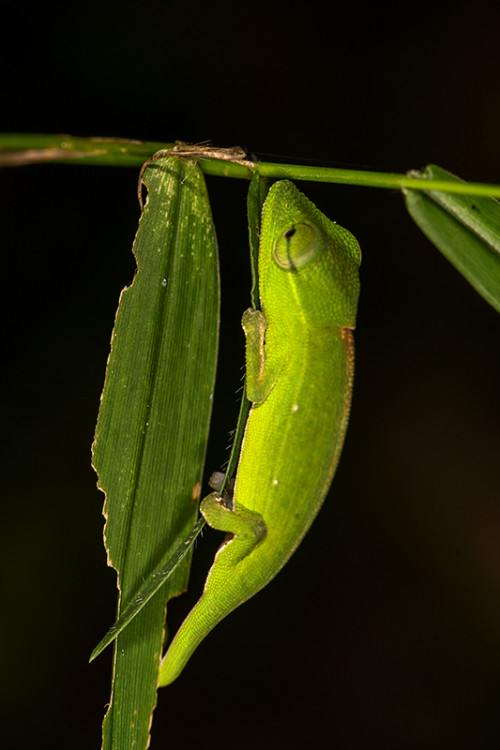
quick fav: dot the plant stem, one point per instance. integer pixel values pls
(18, 149)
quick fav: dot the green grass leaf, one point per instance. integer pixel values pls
(466, 229)
(256, 196)
(155, 582)
(153, 424)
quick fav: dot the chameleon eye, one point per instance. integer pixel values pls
(296, 246)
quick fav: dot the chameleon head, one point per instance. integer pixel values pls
(311, 260)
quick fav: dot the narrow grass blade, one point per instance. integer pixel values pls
(466, 229)
(153, 423)
(156, 581)
(257, 192)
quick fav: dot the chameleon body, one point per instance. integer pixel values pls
(299, 374)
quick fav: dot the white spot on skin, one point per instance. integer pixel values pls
(295, 407)
(275, 482)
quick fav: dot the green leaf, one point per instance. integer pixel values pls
(256, 196)
(153, 423)
(466, 229)
(157, 579)
(257, 193)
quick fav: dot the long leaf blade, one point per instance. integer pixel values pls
(153, 423)
(256, 196)
(156, 581)
(466, 229)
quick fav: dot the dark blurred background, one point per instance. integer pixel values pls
(384, 629)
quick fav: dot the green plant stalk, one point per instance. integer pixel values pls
(17, 149)
(21, 149)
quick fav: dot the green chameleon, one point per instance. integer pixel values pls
(299, 374)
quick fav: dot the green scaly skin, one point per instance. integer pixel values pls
(300, 361)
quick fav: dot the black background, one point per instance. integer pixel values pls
(384, 629)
